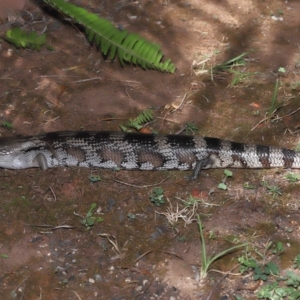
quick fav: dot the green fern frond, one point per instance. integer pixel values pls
(137, 123)
(144, 117)
(22, 39)
(128, 47)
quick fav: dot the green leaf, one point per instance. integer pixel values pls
(228, 173)
(128, 47)
(22, 39)
(222, 186)
(94, 178)
(297, 262)
(7, 125)
(273, 268)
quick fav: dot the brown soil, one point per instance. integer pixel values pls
(134, 253)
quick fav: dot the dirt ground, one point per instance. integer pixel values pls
(46, 249)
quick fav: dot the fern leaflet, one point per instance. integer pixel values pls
(137, 123)
(22, 39)
(144, 117)
(128, 47)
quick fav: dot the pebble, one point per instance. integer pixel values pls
(91, 280)
(98, 277)
(277, 18)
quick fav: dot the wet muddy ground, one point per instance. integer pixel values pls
(130, 250)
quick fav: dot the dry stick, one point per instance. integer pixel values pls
(266, 118)
(228, 273)
(20, 283)
(141, 186)
(89, 79)
(55, 76)
(76, 295)
(151, 251)
(278, 118)
(293, 112)
(183, 99)
(106, 119)
(141, 295)
(50, 188)
(51, 227)
(169, 120)
(99, 78)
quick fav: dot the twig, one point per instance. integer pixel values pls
(50, 188)
(293, 112)
(141, 186)
(89, 79)
(14, 290)
(169, 120)
(76, 295)
(183, 99)
(51, 227)
(272, 115)
(121, 252)
(55, 76)
(228, 273)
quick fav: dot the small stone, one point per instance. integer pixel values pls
(277, 18)
(139, 288)
(91, 280)
(98, 277)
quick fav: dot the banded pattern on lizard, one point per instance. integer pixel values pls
(104, 149)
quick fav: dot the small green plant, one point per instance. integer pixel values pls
(236, 61)
(240, 76)
(271, 291)
(293, 280)
(295, 85)
(206, 261)
(22, 39)
(191, 201)
(272, 189)
(297, 262)
(138, 122)
(274, 105)
(131, 216)
(297, 148)
(231, 238)
(277, 248)
(248, 186)
(292, 177)
(94, 178)
(288, 289)
(157, 196)
(281, 70)
(260, 271)
(212, 235)
(181, 238)
(234, 66)
(4, 255)
(89, 220)
(7, 125)
(223, 185)
(190, 128)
